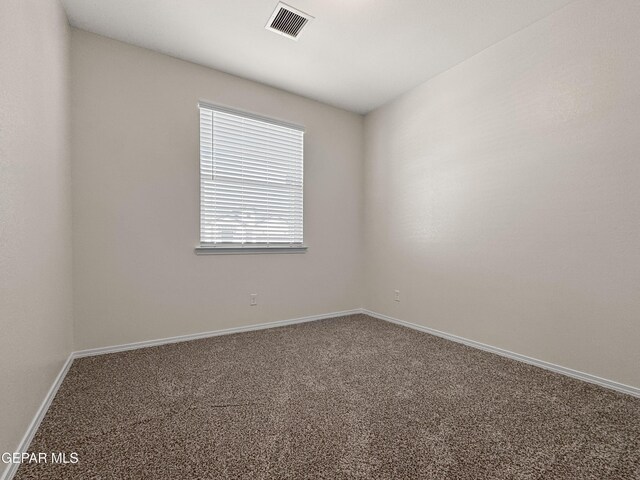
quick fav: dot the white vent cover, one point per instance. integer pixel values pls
(287, 21)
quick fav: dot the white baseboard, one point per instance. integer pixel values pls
(11, 468)
(587, 377)
(195, 336)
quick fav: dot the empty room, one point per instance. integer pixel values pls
(320, 239)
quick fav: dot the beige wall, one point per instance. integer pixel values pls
(502, 196)
(501, 200)
(35, 209)
(136, 204)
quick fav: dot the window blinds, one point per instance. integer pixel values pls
(251, 179)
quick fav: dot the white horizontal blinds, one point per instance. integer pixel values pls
(251, 173)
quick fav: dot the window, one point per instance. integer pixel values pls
(251, 183)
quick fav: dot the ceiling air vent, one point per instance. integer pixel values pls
(287, 21)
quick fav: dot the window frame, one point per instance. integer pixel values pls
(247, 248)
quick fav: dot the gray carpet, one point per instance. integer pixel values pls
(352, 397)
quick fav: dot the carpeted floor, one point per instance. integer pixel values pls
(352, 397)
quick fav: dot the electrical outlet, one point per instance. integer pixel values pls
(396, 295)
(254, 299)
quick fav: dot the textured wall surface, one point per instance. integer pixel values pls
(35, 209)
(136, 202)
(502, 196)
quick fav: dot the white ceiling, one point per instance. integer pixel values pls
(356, 54)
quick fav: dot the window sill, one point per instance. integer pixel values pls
(205, 250)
